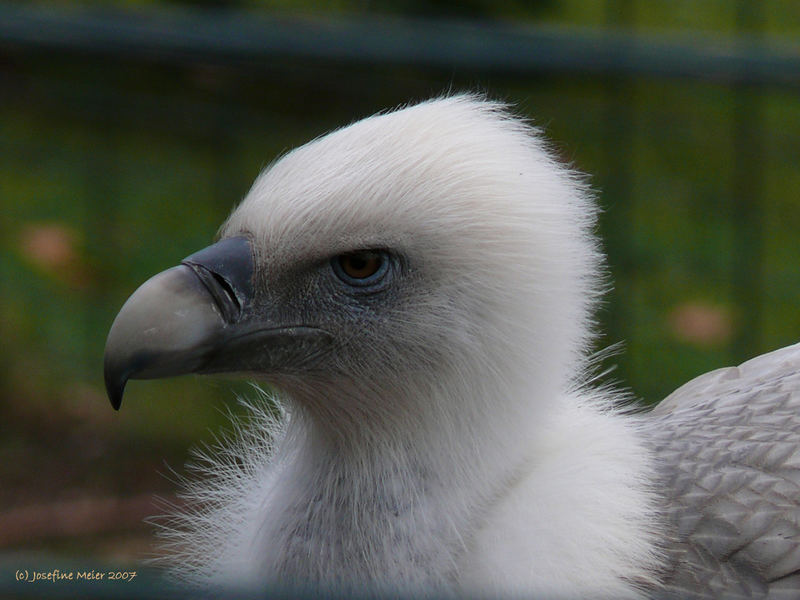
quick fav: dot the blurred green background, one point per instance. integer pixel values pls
(119, 157)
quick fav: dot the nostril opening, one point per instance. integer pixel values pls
(226, 270)
(220, 290)
(226, 287)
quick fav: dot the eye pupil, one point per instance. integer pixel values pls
(358, 263)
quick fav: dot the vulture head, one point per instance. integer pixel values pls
(416, 254)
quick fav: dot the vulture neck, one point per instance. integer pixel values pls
(423, 462)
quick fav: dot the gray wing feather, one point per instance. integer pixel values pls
(728, 451)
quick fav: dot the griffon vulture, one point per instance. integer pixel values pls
(418, 288)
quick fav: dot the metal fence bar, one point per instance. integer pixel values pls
(619, 131)
(746, 191)
(240, 37)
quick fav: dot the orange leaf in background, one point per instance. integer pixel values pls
(701, 324)
(48, 245)
(52, 247)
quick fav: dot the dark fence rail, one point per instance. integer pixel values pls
(243, 38)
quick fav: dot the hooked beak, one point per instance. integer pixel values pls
(177, 320)
(202, 317)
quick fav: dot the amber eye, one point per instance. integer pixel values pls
(361, 268)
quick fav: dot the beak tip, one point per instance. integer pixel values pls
(115, 387)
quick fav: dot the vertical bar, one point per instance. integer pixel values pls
(100, 224)
(6, 289)
(616, 193)
(747, 181)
